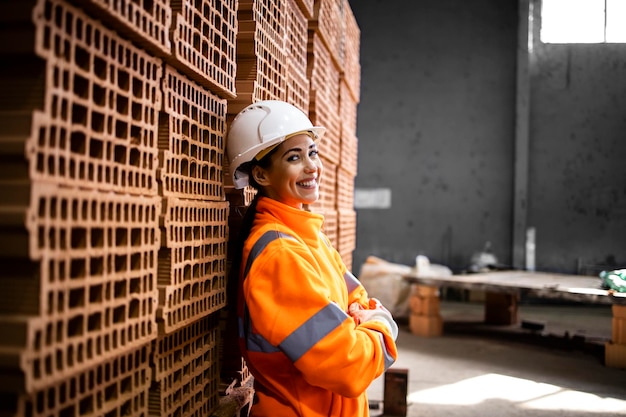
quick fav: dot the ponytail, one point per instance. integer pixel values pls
(236, 248)
(247, 221)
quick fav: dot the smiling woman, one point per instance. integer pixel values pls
(311, 336)
(293, 175)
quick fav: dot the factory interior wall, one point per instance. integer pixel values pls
(436, 128)
(577, 154)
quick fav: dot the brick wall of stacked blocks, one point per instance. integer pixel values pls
(114, 188)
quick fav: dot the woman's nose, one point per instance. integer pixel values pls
(309, 164)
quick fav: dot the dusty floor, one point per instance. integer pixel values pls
(476, 370)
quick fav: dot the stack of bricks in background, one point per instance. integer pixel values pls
(425, 318)
(334, 73)
(116, 204)
(305, 52)
(323, 72)
(78, 336)
(116, 220)
(192, 260)
(349, 88)
(615, 350)
(261, 69)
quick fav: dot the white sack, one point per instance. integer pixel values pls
(383, 280)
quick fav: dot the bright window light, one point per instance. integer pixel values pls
(572, 21)
(615, 21)
(583, 21)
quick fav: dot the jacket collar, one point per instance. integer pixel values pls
(305, 224)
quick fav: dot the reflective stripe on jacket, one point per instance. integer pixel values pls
(307, 355)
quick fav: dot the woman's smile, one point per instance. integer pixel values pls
(295, 171)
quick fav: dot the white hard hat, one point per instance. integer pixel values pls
(260, 126)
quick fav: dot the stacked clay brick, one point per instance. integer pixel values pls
(615, 350)
(117, 206)
(334, 73)
(116, 224)
(425, 317)
(312, 48)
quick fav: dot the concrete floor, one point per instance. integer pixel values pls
(479, 370)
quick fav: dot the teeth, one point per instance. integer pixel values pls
(308, 183)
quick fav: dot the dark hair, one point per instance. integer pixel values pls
(232, 286)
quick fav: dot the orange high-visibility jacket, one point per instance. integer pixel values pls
(307, 355)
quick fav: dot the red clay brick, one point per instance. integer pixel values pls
(204, 43)
(351, 52)
(186, 370)
(191, 140)
(426, 326)
(349, 152)
(192, 264)
(327, 22)
(296, 36)
(118, 386)
(306, 6)
(345, 189)
(146, 23)
(96, 259)
(261, 55)
(615, 355)
(346, 230)
(98, 127)
(324, 96)
(348, 108)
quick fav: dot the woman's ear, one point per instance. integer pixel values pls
(259, 175)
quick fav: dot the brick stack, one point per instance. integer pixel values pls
(425, 318)
(312, 49)
(199, 75)
(117, 206)
(296, 35)
(115, 116)
(334, 72)
(303, 44)
(349, 96)
(77, 337)
(615, 350)
(261, 74)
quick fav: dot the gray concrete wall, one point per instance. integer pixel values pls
(577, 178)
(436, 126)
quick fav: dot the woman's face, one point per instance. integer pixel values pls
(293, 176)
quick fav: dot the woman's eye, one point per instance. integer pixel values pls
(293, 158)
(314, 153)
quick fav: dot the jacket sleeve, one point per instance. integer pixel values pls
(356, 291)
(290, 306)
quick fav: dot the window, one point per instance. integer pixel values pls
(583, 21)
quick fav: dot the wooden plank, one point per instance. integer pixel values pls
(540, 284)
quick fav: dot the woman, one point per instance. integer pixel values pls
(311, 337)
